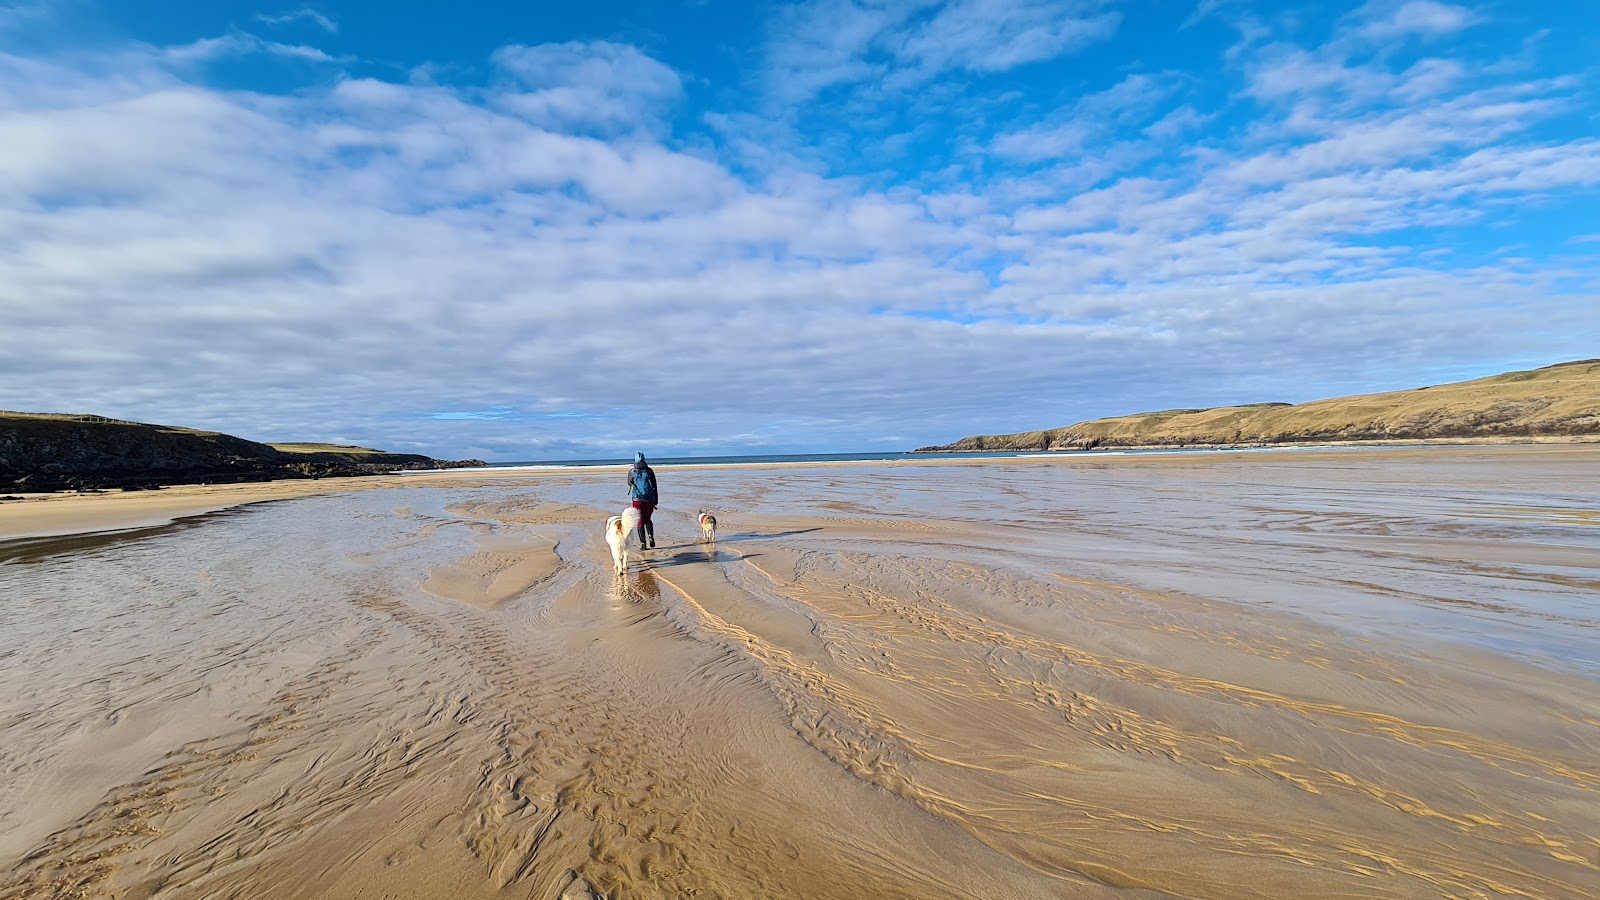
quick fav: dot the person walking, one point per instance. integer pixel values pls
(642, 488)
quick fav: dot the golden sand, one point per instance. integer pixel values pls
(859, 691)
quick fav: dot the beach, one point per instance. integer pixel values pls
(1359, 672)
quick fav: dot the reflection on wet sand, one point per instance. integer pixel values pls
(1285, 676)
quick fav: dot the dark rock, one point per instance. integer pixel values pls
(41, 452)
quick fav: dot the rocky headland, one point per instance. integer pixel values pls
(1560, 401)
(52, 452)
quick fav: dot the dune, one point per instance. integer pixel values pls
(1560, 402)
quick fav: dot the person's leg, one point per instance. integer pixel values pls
(649, 523)
(644, 522)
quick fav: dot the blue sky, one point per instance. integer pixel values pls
(542, 230)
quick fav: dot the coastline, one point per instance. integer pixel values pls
(1560, 401)
(61, 514)
(68, 513)
(1271, 445)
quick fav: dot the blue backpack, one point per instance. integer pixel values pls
(644, 487)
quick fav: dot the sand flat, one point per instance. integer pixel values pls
(1365, 672)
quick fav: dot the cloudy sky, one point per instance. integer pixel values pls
(540, 230)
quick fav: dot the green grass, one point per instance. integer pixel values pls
(309, 447)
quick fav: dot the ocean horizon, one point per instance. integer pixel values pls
(746, 458)
(896, 456)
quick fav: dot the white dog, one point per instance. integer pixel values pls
(708, 526)
(619, 534)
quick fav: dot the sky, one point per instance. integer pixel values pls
(551, 230)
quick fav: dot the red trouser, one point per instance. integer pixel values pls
(645, 509)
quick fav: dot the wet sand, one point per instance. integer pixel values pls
(1348, 673)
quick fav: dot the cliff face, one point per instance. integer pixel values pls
(42, 452)
(1557, 401)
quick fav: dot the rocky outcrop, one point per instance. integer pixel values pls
(1560, 401)
(44, 452)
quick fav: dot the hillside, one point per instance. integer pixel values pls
(1562, 400)
(346, 453)
(50, 452)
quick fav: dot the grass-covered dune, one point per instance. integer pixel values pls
(51, 452)
(1559, 401)
(346, 453)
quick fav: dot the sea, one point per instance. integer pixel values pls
(802, 458)
(779, 458)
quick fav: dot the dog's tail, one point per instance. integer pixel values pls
(630, 521)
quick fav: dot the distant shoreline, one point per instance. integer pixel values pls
(925, 455)
(1559, 402)
(59, 514)
(1309, 444)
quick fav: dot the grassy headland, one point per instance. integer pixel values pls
(1559, 401)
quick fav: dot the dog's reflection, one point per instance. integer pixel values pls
(644, 588)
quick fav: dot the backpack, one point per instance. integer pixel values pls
(644, 487)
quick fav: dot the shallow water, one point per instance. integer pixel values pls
(1272, 675)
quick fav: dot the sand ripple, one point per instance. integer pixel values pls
(444, 691)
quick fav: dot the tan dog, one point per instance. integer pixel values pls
(619, 534)
(708, 527)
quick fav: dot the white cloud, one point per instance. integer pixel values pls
(1206, 9)
(597, 84)
(539, 266)
(1423, 18)
(1090, 121)
(241, 44)
(1185, 120)
(1430, 78)
(816, 46)
(901, 44)
(301, 15)
(996, 35)
(298, 51)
